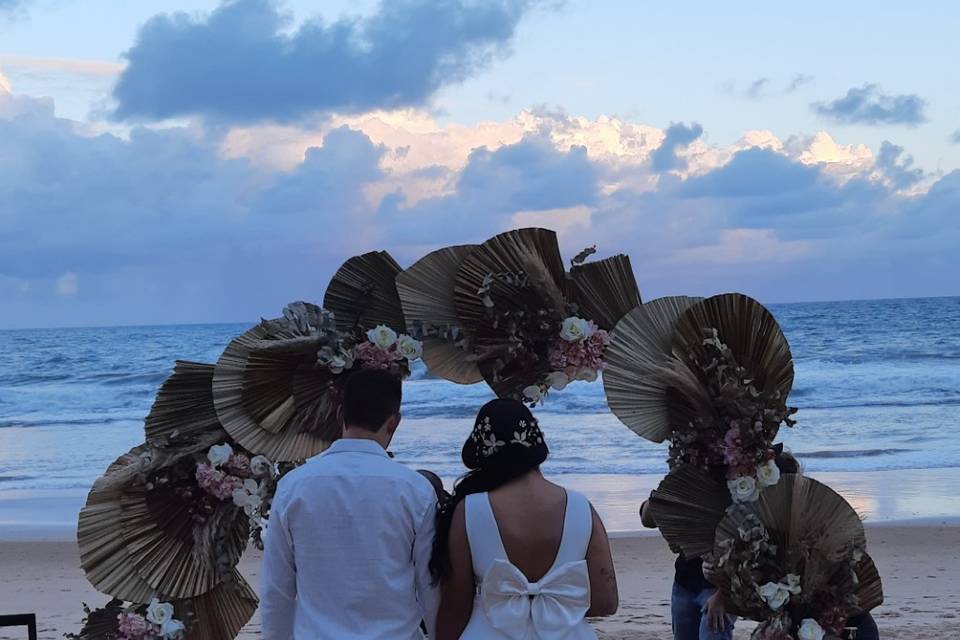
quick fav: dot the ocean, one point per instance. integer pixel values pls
(877, 385)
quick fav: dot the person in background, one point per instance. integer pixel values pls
(351, 531)
(696, 610)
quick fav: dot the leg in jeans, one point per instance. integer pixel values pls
(685, 613)
(705, 632)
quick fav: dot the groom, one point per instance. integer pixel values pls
(350, 533)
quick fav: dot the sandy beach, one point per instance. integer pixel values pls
(920, 564)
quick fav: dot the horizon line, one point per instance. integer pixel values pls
(227, 322)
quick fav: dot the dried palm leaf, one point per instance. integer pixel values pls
(635, 362)
(529, 253)
(687, 507)
(363, 293)
(172, 554)
(748, 329)
(813, 529)
(104, 556)
(870, 586)
(183, 411)
(271, 397)
(220, 613)
(605, 291)
(426, 294)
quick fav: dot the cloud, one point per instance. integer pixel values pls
(163, 225)
(240, 64)
(12, 5)
(5, 86)
(678, 136)
(798, 81)
(897, 167)
(955, 137)
(68, 284)
(869, 105)
(756, 88)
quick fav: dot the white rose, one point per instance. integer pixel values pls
(558, 380)
(743, 489)
(810, 630)
(171, 628)
(219, 454)
(382, 336)
(533, 392)
(587, 375)
(768, 474)
(260, 466)
(575, 329)
(775, 595)
(159, 612)
(409, 348)
(239, 497)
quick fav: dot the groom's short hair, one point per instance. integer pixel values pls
(370, 396)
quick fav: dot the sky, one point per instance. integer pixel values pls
(200, 161)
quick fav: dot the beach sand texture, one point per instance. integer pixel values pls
(920, 565)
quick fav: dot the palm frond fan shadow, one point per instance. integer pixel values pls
(634, 364)
(604, 291)
(137, 538)
(268, 392)
(812, 529)
(426, 294)
(363, 294)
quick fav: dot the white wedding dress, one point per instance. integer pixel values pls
(507, 605)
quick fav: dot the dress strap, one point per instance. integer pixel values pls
(482, 533)
(577, 529)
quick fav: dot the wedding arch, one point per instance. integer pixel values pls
(164, 528)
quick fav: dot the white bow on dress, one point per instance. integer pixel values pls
(549, 608)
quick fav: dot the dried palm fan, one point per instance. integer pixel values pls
(183, 411)
(531, 253)
(268, 392)
(635, 361)
(104, 556)
(687, 507)
(137, 535)
(798, 526)
(604, 291)
(426, 294)
(363, 294)
(220, 613)
(870, 590)
(748, 329)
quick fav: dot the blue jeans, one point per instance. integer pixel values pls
(689, 621)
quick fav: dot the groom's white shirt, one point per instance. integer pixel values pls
(347, 547)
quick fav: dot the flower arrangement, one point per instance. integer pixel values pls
(739, 435)
(383, 349)
(235, 477)
(575, 353)
(154, 623)
(789, 606)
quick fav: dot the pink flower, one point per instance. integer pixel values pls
(133, 626)
(371, 356)
(217, 483)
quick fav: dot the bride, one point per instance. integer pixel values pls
(518, 557)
